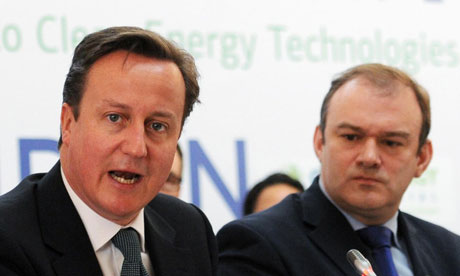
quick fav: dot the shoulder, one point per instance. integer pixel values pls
(18, 208)
(273, 228)
(277, 218)
(20, 205)
(436, 234)
(174, 210)
(432, 248)
(258, 244)
(20, 236)
(184, 219)
(188, 227)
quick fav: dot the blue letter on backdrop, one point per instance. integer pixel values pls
(26, 146)
(199, 159)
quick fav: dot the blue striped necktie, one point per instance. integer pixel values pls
(378, 238)
(127, 240)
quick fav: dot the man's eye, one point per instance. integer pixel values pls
(350, 137)
(114, 117)
(392, 144)
(158, 126)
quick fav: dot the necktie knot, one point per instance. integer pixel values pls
(127, 240)
(376, 236)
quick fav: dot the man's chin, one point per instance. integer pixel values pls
(121, 213)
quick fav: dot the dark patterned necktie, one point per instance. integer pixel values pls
(378, 238)
(127, 240)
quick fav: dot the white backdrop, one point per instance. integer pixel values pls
(265, 68)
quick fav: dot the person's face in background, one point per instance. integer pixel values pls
(172, 184)
(370, 150)
(272, 195)
(118, 153)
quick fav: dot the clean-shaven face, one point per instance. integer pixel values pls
(369, 155)
(118, 153)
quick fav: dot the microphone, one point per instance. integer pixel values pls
(361, 264)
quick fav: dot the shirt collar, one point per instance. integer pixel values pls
(391, 224)
(101, 230)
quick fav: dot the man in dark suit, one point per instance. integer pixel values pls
(97, 212)
(371, 142)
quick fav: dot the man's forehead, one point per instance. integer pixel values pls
(382, 118)
(381, 86)
(125, 60)
(360, 87)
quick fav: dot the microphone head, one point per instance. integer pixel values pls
(360, 264)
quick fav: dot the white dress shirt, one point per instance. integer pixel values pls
(101, 231)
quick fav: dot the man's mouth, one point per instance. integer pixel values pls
(365, 178)
(125, 177)
(368, 179)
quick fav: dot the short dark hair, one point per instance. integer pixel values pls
(276, 178)
(134, 40)
(381, 76)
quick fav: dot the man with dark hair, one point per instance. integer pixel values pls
(98, 211)
(269, 192)
(371, 142)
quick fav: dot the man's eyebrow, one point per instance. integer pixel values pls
(162, 114)
(153, 114)
(116, 104)
(401, 134)
(350, 126)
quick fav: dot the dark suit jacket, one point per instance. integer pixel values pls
(42, 234)
(306, 235)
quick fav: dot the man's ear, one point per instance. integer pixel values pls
(424, 158)
(67, 122)
(318, 142)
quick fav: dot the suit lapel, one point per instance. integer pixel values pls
(166, 258)
(417, 246)
(331, 232)
(62, 229)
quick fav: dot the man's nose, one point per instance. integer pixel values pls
(134, 143)
(369, 156)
